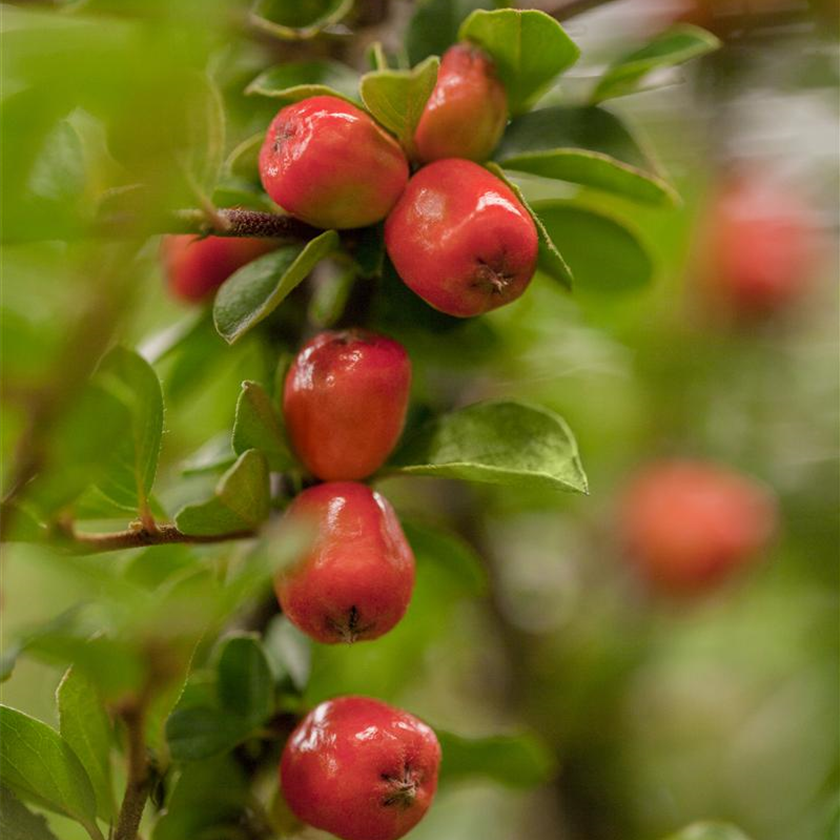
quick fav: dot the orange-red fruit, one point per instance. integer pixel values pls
(328, 163)
(345, 400)
(355, 581)
(467, 111)
(759, 248)
(461, 239)
(196, 267)
(360, 769)
(689, 524)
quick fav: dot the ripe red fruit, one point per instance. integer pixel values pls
(689, 524)
(328, 163)
(467, 111)
(355, 581)
(461, 239)
(360, 769)
(196, 267)
(758, 248)
(345, 400)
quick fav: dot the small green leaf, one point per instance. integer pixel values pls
(132, 379)
(530, 50)
(257, 289)
(676, 46)
(59, 171)
(86, 728)
(38, 765)
(245, 681)
(605, 255)
(709, 831)
(549, 258)
(289, 650)
(434, 25)
(518, 761)
(204, 143)
(301, 79)
(330, 296)
(396, 98)
(498, 443)
(258, 425)
(200, 732)
(214, 456)
(17, 822)
(241, 501)
(294, 20)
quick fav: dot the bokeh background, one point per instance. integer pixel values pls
(655, 711)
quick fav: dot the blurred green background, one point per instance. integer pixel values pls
(656, 712)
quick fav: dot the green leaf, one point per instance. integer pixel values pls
(295, 20)
(530, 50)
(258, 425)
(257, 289)
(289, 650)
(59, 172)
(204, 143)
(215, 455)
(434, 26)
(37, 764)
(676, 46)
(301, 79)
(132, 379)
(330, 296)
(85, 726)
(396, 98)
(605, 255)
(709, 831)
(518, 761)
(241, 501)
(17, 822)
(549, 258)
(200, 732)
(497, 443)
(245, 682)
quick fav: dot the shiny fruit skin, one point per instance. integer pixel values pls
(328, 163)
(461, 240)
(196, 267)
(760, 249)
(345, 400)
(467, 111)
(360, 769)
(688, 525)
(355, 581)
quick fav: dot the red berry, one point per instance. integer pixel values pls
(345, 400)
(689, 524)
(461, 239)
(360, 769)
(355, 582)
(196, 267)
(328, 163)
(467, 111)
(759, 248)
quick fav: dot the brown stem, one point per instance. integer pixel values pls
(139, 779)
(140, 538)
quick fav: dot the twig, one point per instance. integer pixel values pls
(138, 783)
(140, 538)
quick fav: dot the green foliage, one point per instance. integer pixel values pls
(676, 46)
(709, 831)
(240, 501)
(530, 49)
(245, 681)
(396, 98)
(17, 822)
(435, 23)
(258, 425)
(294, 20)
(300, 79)
(496, 442)
(256, 290)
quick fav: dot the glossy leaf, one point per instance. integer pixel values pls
(245, 683)
(549, 258)
(518, 761)
(604, 254)
(200, 732)
(434, 25)
(132, 379)
(498, 443)
(709, 831)
(240, 503)
(396, 98)
(258, 425)
(38, 765)
(84, 724)
(17, 822)
(676, 46)
(530, 50)
(294, 20)
(300, 79)
(257, 289)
